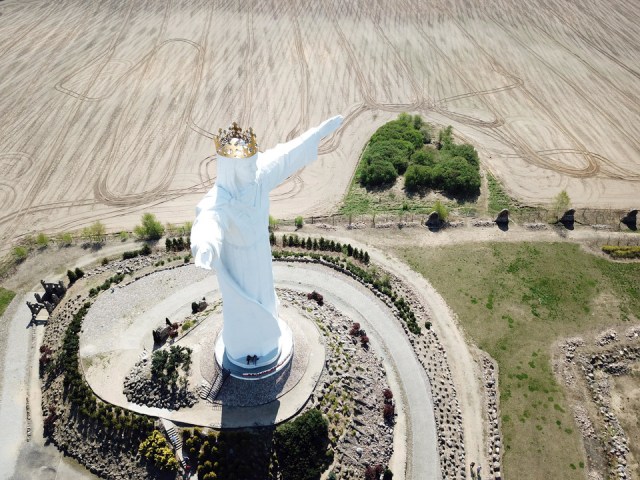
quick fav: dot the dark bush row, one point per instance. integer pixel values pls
(74, 275)
(107, 284)
(177, 244)
(111, 421)
(324, 246)
(145, 250)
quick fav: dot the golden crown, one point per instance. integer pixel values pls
(236, 143)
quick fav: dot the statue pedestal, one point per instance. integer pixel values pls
(264, 366)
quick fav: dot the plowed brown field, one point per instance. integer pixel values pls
(107, 108)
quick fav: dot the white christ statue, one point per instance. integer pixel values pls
(230, 234)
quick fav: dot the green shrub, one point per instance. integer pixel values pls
(156, 450)
(95, 233)
(42, 240)
(20, 253)
(302, 445)
(441, 210)
(425, 156)
(65, 239)
(418, 178)
(397, 152)
(379, 174)
(150, 229)
(299, 222)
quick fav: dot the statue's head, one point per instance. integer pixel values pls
(237, 155)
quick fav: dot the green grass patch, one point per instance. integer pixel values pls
(530, 295)
(5, 299)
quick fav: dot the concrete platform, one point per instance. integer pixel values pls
(117, 332)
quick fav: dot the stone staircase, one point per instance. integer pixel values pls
(176, 440)
(209, 391)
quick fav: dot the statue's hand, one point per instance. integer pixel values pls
(204, 254)
(329, 126)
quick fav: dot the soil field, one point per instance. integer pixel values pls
(108, 108)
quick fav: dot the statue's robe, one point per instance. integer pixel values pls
(230, 234)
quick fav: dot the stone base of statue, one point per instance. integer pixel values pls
(252, 368)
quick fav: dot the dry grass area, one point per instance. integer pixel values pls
(108, 108)
(515, 300)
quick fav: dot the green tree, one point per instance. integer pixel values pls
(441, 210)
(299, 222)
(397, 152)
(418, 177)
(561, 203)
(302, 446)
(273, 223)
(425, 156)
(445, 137)
(456, 176)
(150, 228)
(379, 174)
(156, 450)
(96, 232)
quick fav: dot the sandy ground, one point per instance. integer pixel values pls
(108, 108)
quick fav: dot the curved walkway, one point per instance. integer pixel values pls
(389, 339)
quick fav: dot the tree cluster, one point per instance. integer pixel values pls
(402, 147)
(177, 244)
(324, 246)
(452, 168)
(389, 150)
(156, 450)
(166, 364)
(229, 455)
(302, 446)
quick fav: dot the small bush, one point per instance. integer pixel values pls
(388, 411)
(441, 210)
(20, 253)
(299, 222)
(42, 240)
(65, 240)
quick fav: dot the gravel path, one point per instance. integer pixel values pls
(388, 338)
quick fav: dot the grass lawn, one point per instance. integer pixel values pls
(515, 301)
(5, 299)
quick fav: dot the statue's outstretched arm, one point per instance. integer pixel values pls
(280, 162)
